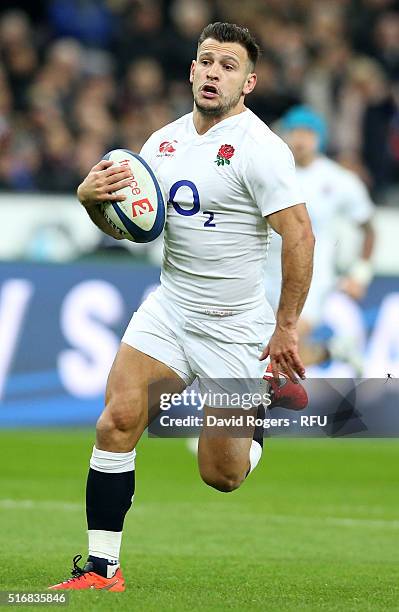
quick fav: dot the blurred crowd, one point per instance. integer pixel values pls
(80, 77)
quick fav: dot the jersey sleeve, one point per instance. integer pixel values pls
(270, 177)
(356, 202)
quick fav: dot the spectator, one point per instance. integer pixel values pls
(140, 33)
(188, 18)
(19, 55)
(102, 74)
(91, 22)
(387, 43)
(366, 111)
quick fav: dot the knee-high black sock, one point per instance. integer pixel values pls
(108, 498)
(259, 429)
(109, 493)
(257, 437)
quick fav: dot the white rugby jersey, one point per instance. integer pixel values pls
(219, 187)
(330, 191)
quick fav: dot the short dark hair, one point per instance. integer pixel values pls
(231, 32)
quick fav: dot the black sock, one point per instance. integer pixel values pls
(100, 566)
(108, 498)
(259, 429)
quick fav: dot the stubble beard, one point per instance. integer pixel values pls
(223, 108)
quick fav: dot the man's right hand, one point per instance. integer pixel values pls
(100, 185)
(284, 355)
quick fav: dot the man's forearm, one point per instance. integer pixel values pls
(297, 267)
(368, 241)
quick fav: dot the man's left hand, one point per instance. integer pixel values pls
(353, 288)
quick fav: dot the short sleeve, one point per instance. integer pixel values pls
(356, 202)
(270, 176)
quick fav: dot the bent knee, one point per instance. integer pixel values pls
(226, 483)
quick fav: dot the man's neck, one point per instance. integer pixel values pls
(203, 122)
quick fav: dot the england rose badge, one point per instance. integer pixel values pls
(224, 155)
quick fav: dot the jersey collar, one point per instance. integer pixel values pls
(229, 122)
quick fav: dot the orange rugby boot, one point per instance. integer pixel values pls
(84, 578)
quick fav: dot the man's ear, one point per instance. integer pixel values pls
(192, 70)
(249, 84)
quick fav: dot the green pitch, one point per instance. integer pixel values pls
(315, 527)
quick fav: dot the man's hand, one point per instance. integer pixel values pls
(353, 288)
(102, 181)
(283, 352)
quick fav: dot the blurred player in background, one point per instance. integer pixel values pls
(331, 192)
(228, 177)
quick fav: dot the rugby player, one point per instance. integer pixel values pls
(331, 192)
(229, 179)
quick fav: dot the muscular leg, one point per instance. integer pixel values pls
(224, 460)
(111, 478)
(125, 416)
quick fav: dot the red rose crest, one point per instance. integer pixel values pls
(224, 155)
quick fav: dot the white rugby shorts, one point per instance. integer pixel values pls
(199, 345)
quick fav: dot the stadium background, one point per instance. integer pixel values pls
(77, 78)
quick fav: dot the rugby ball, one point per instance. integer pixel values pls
(141, 216)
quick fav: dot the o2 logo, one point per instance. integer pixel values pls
(189, 212)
